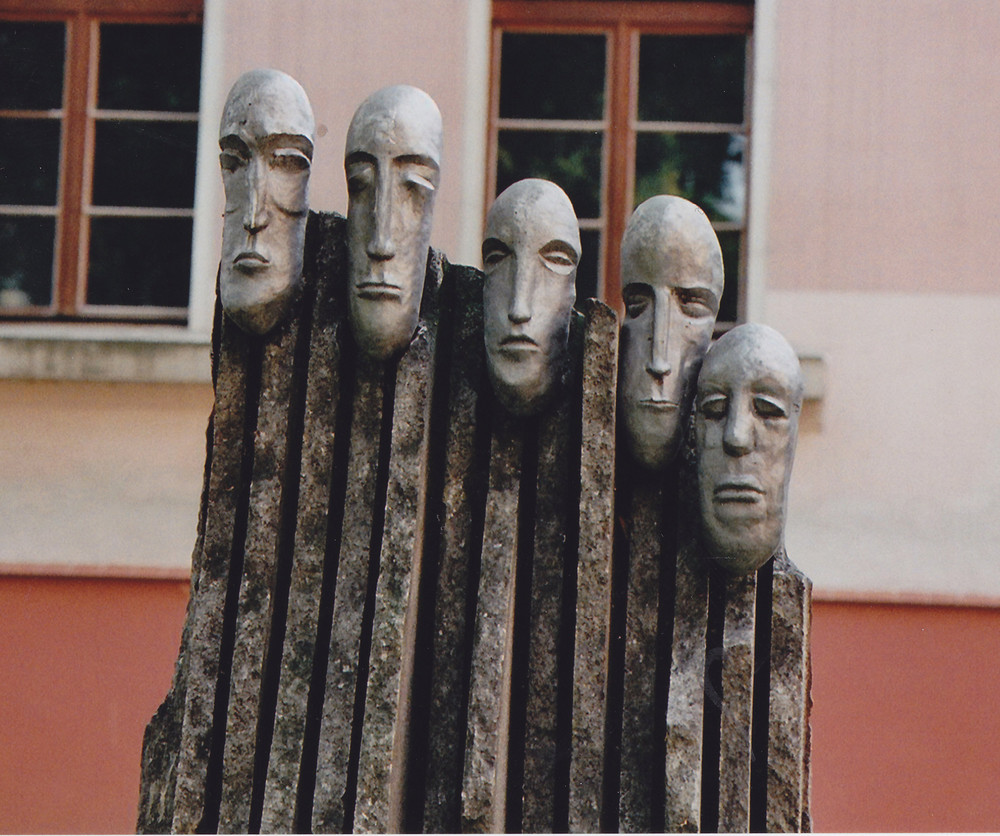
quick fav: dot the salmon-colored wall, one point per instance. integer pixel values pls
(906, 731)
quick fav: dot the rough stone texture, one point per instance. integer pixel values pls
(463, 495)
(381, 778)
(484, 787)
(686, 695)
(737, 703)
(207, 610)
(257, 586)
(322, 400)
(593, 577)
(788, 716)
(641, 751)
(349, 603)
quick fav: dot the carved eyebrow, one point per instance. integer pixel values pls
(558, 246)
(494, 244)
(702, 294)
(302, 143)
(416, 159)
(231, 142)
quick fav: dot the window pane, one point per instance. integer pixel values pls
(588, 269)
(149, 67)
(691, 78)
(145, 164)
(570, 159)
(26, 251)
(729, 241)
(31, 65)
(552, 76)
(139, 261)
(707, 169)
(29, 161)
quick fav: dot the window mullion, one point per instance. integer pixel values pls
(623, 69)
(71, 164)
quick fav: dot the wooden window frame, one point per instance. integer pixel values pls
(622, 22)
(79, 115)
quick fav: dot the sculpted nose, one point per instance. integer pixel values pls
(659, 359)
(257, 216)
(521, 297)
(737, 438)
(381, 246)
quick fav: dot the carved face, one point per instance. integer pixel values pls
(530, 253)
(266, 142)
(672, 285)
(392, 162)
(746, 423)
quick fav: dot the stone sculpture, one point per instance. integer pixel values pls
(392, 161)
(530, 253)
(746, 423)
(266, 142)
(672, 284)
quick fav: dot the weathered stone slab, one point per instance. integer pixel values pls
(737, 703)
(464, 483)
(257, 587)
(226, 482)
(384, 744)
(593, 574)
(352, 583)
(322, 401)
(642, 752)
(686, 695)
(788, 715)
(484, 788)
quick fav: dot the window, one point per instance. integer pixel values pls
(617, 102)
(98, 133)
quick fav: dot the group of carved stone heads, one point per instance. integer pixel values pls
(715, 422)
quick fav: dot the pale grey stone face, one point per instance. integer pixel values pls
(672, 285)
(266, 142)
(746, 423)
(392, 161)
(530, 253)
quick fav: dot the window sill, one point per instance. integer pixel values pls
(117, 353)
(814, 375)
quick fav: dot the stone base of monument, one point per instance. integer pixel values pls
(411, 610)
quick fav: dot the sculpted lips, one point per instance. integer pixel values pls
(656, 405)
(743, 489)
(379, 290)
(518, 343)
(249, 261)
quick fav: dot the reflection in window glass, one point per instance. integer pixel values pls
(27, 245)
(691, 78)
(29, 161)
(149, 67)
(588, 269)
(729, 241)
(572, 160)
(31, 65)
(145, 164)
(552, 76)
(139, 261)
(707, 169)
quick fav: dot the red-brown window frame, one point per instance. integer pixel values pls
(622, 21)
(76, 154)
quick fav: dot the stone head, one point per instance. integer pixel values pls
(392, 161)
(746, 424)
(530, 253)
(266, 144)
(672, 285)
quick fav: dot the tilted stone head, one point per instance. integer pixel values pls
(530, 253)
(672, 285)
(746, 423)
(266, 142)
(392, 160)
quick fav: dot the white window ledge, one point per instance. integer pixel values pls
(814, 374)
(119, 353)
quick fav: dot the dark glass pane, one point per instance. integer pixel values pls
(145, 164)
(552, 76)
(588, 270)
(707, 169)
(691, 78)
(26, 250)
(572, 160)
(149, 67)
(139, 261)
(31, 65)
(29, 161)
(729, 241)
